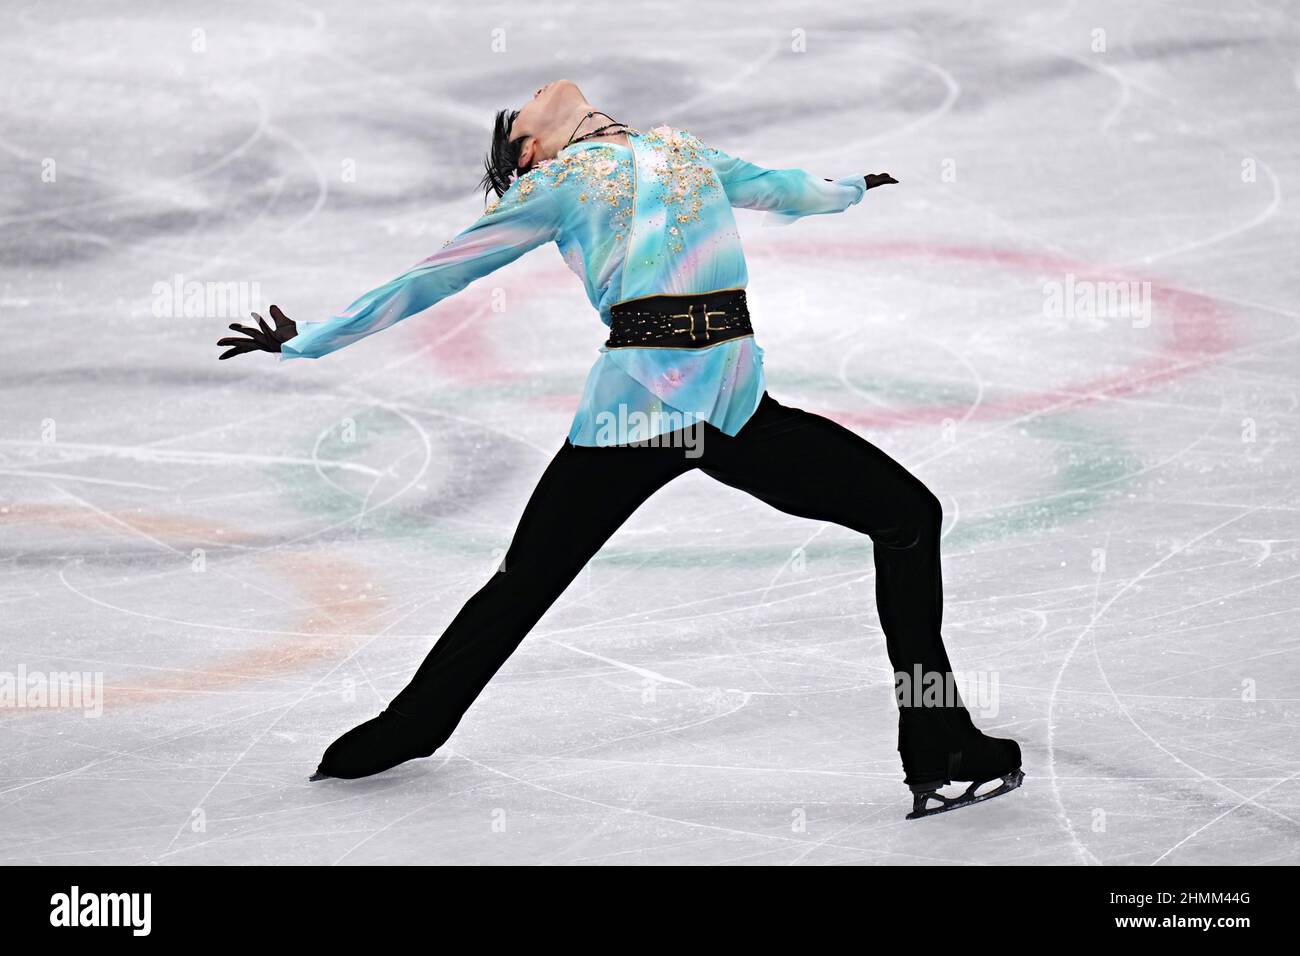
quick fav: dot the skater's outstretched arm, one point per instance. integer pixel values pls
(523, 219)
(788, 193)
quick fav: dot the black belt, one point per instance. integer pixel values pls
(679, 321)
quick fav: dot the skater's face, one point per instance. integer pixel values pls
(541, 120)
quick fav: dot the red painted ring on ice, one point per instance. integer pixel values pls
(1194, 327)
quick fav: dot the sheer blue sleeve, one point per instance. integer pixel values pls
(788, 194)
(521, 220)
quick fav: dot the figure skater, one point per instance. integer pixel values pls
(645, 219)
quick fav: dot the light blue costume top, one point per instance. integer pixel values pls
(654, 219)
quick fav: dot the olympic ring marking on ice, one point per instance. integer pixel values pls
(337, 622)
(1196, 331)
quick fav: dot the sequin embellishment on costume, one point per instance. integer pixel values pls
(685, 176)
(601, 176)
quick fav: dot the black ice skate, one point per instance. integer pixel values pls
(922, 793)
(379, 744)
(991, 765)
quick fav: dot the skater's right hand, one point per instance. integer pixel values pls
(265, 339)
(878, 179)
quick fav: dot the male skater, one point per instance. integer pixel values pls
(645, 219)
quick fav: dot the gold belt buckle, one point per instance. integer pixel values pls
(690, 314)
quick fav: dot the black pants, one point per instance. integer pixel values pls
(798, 462)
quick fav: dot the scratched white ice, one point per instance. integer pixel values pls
(253, 557)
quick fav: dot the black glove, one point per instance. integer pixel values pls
(265, 339)
(878, 179)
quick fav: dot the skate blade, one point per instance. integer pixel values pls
(919, 808)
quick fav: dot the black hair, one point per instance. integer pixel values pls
(502, 159)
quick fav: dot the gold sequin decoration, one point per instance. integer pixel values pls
(517, 194)
(686, 177)
(602, 178)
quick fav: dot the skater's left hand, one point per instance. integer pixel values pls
(265, 339)
(878, 179)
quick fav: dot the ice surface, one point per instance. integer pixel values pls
(254, 557)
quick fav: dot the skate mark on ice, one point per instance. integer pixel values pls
(1087, 631)
(1245, 801)
(84, 479)
(144, 453)
(260, 735)
(1062, 814)
(661, 818)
